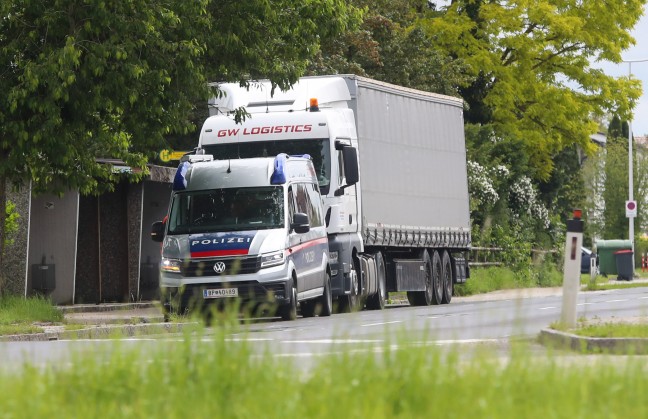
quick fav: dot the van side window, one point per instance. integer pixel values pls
(291, 204)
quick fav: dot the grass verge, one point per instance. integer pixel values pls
(225, 378)
(18, 314)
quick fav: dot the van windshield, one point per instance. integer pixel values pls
(318, 149)
(231, 209)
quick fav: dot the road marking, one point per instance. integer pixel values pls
(584, 304)
(546, 308)
(380, 324)
(642, 298)
(615, 301)
(334, 341)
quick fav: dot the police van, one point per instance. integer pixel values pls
(248, 229)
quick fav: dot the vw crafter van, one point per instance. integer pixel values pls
(248, 229)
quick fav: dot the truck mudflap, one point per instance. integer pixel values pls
(462, 270)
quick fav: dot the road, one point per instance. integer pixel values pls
(492, 319)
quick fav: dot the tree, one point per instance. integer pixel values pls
(113, 79)
(530, 69)
(390, 46)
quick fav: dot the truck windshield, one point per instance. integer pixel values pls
(232, 209)
(318, 149)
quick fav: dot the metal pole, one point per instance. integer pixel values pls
(630, 174)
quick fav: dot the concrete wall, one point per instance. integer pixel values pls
(52, 242)
(99, 248)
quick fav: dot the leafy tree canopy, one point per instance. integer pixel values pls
(83, 79)
(390, 46)
(529, 63)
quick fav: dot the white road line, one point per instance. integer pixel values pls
(584, 304)
(642, 298)
(547, 308)
(615, 301)
(334, 341)
(380, 324)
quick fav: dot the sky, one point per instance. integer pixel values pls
(639, 71)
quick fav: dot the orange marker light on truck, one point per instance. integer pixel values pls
(314, 105)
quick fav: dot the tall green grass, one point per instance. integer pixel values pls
(15, 309)
(225, 379)
(489, 279)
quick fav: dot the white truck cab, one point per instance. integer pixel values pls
(248, 229)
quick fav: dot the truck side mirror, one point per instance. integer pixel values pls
(157, 231)
(300, 223)
(351, 172)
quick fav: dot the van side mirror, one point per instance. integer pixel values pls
(157, 231)
(300, 223)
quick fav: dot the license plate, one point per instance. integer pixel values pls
(221, 293)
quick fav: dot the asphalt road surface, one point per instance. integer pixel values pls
(487, 320)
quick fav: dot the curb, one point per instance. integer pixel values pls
(618, 346)
(104, 307)
(102, 332)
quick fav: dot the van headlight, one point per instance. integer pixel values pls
(272, 259)
(171, 265)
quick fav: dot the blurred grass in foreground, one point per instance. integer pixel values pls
(225, 378)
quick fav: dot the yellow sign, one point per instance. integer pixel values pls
(168, 155)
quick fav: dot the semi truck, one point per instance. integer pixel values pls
(249, 230)
(391, 166)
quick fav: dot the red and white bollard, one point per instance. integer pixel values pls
(571, 276)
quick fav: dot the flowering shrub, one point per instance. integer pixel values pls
(524, 201)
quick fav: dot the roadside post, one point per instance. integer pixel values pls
(571, 275)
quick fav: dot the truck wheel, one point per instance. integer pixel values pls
(448, 280)
(424, 298)
(377, 300)
(351, 302)
(437, 279)
(289, 311)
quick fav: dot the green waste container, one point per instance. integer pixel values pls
(624, 265)
(605, 253)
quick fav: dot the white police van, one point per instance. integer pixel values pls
(249, 229)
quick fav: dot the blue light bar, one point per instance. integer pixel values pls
(279, 175)
(180, 181)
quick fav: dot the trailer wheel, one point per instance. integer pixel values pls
(437, 279)
(377, 300)
(424, 298)
(448, 280)
(351, 302)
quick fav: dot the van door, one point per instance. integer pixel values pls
(305, 248)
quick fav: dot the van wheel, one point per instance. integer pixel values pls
(289, 311)
(325, 302)
(447, 279)
(377, 301)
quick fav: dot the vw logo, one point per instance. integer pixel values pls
(219, 267)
